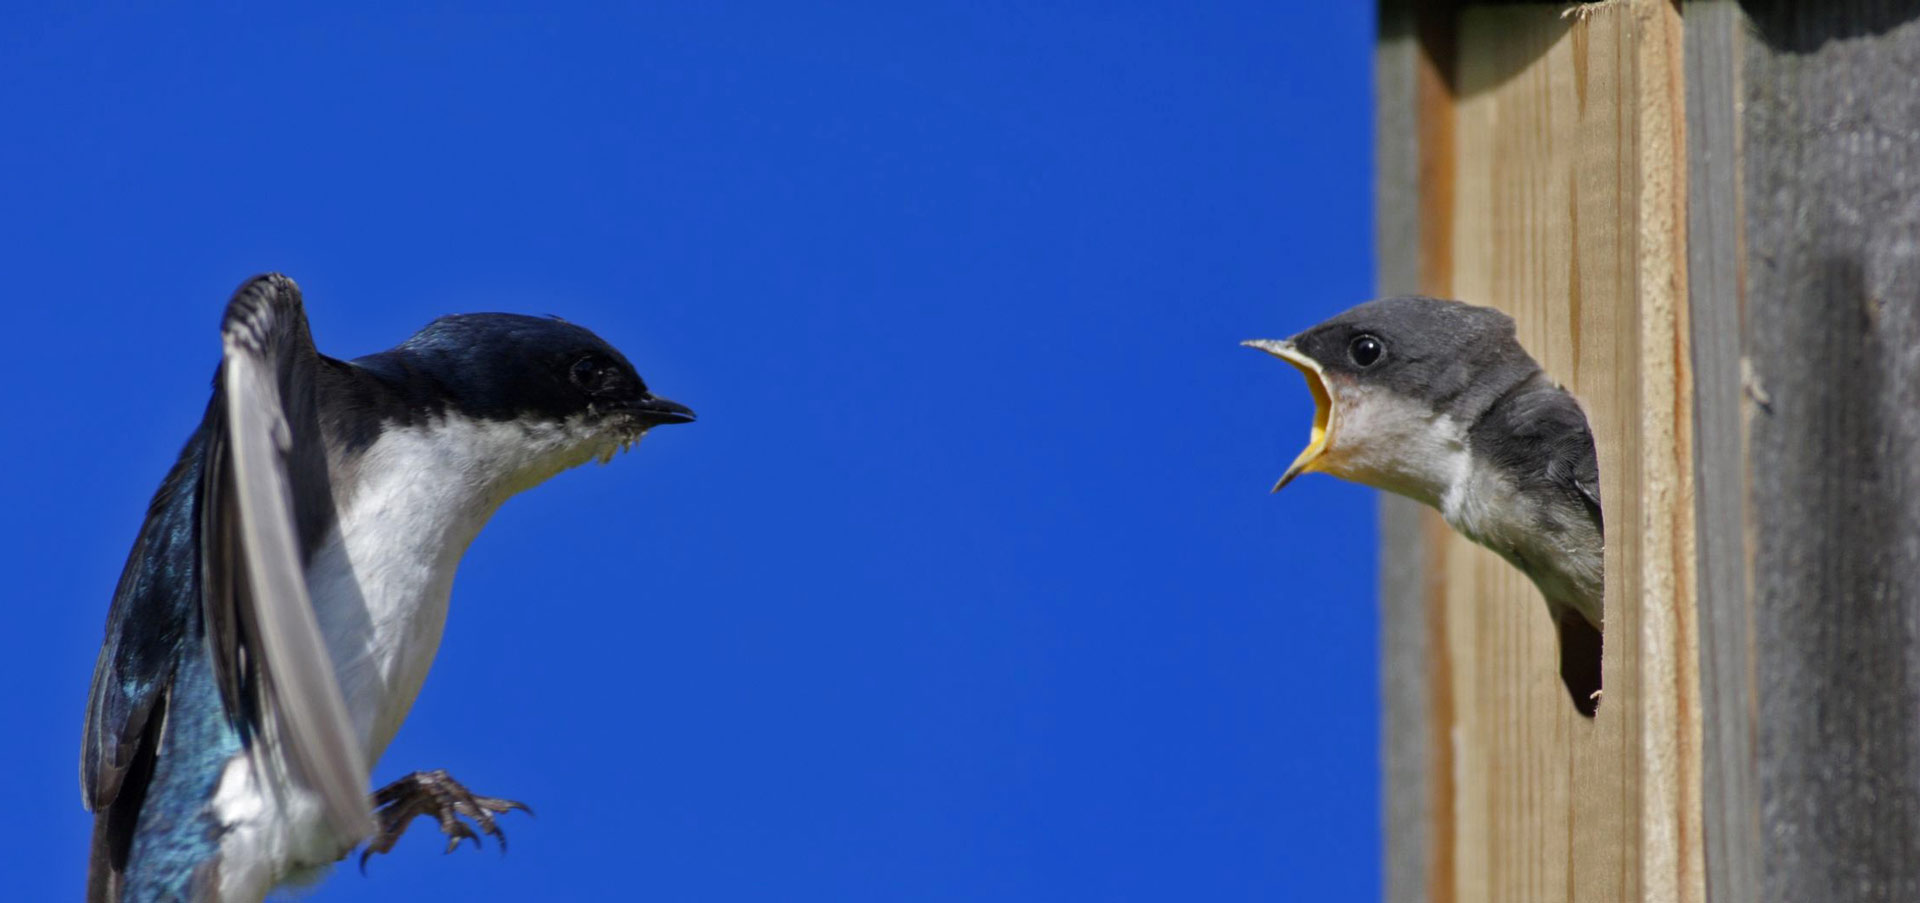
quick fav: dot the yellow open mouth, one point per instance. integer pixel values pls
(1322, 405)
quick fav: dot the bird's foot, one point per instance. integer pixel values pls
(1581, 12)
(437, 794)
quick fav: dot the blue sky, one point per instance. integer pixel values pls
(965, 586)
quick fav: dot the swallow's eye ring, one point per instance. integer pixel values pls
(588, 373)
(1366, 350)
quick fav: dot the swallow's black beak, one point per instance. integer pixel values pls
(654, 411)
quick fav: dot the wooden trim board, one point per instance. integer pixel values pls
(1553, 185)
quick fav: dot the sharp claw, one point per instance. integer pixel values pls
(503, 806)
(456, 831)
(435, 793)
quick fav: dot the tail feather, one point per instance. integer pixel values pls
(158, 839)
(115, 822)
(1579, 658)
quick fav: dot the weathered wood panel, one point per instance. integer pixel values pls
(1416, 173)
(1831, 169)
(1406, 756)
(1730, 811)
(1761, 300)
(1563, 202)
(1520, 746)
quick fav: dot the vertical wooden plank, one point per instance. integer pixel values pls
(1415, 130)
(1522, 95)
(1569, 211)
(1730, 807)
(1831, 189)
(1569, 206)
(1406, 715)
(1672, 863)
(1437, 25)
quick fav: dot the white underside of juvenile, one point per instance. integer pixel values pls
(1385, 440)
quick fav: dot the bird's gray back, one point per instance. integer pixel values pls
(1536, 439)
(1538, 435)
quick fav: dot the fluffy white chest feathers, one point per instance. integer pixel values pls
(380, 586)
(407, 509)
(1385, 440)
(1391, 442)
(414, 502)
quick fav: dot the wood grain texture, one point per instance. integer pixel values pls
(1831, 193)
(1406, 722)
(1567, 208)
(1526, 244)
(1728, 280)
(1715, 30)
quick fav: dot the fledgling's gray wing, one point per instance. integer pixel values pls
(1541, 435)
(267, 500)
(1538, 436)
(1573, 461)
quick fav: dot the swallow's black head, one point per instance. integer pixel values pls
(511, 367)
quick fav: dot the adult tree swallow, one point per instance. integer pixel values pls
(286, 594)
(1437, 401)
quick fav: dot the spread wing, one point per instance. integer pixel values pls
(265, 500)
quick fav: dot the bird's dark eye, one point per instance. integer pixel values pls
(587, 373)
(1366, 350)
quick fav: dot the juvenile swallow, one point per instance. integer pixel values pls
(1436, 401)
(286, 594)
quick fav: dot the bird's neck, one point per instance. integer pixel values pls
(1388, 441)
(409, 504)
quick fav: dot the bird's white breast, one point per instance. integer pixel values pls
(412, 504)
(381, 580)
(407, 508)
(1485, 507)
(1387, 440)
(1384, 439)
(1561, 555)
